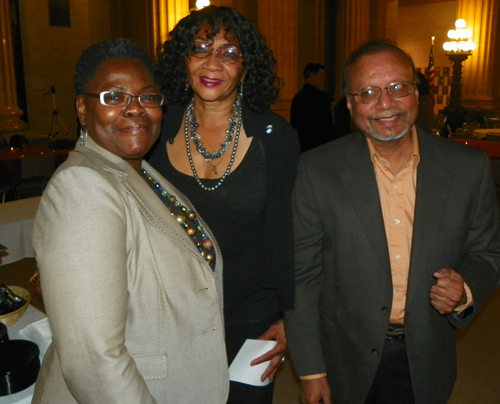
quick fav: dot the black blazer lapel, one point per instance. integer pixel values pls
(433, 187)
(360, 183)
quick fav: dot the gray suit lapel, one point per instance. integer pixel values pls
(360, 183)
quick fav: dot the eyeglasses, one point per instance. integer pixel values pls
(370, 95)
(119, 99)
(230, 54)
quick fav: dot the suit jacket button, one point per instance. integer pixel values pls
(385, 310)
(374, 352)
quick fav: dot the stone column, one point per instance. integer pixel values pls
(9, 111)
(353, 22)
(278, 24)
(165, 15)
(384, 19)
(319, 30)
(480, 81)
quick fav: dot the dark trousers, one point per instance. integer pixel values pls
(392, 383)
(236, 334)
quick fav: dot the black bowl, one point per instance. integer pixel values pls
(19, 365)
(4, 335)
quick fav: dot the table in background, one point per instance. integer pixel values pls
(483, 133)
(31, 151)
(490, 144)
(19, 166)
(30, 316)
(16, 223)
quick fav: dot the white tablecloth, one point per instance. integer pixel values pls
(16, 223)
(31, 317)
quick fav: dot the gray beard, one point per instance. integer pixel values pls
(391, 137)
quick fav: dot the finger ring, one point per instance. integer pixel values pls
(283, 360)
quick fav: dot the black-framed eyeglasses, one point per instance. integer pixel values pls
(370, 95)
(230, 54)
(121, 99)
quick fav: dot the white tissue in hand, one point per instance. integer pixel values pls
(241, 371)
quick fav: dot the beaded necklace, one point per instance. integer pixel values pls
(196, 138)
(184, 216)
(190, 121)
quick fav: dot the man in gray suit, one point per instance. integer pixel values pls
(397, 244)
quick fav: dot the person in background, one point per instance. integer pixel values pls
(235, 160)
(342, 117)
(131, 274)
(397, 243)
(425, 106)
(311, 112)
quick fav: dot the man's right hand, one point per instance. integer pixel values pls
(316, 391)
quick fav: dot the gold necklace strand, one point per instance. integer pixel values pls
(214, 166)
(206, 246)
(237, 115)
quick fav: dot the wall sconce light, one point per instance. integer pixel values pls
(458, 49)
(202, 3)
(460, 39)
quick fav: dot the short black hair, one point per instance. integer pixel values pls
(312, 68)
(92, 58)
(422, 84)
(370, 48)
(261, 83)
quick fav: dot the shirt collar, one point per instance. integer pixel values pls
(415, 156)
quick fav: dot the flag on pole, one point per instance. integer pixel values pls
(430, 71)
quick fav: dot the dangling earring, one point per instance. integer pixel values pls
(186, 88)
(83, 135)
(240, 91)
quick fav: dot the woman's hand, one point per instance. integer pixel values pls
(277, 354)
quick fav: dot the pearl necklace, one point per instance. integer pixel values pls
(196, 138)
(206, 246)
(190, 120)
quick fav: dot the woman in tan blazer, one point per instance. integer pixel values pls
(132, 278)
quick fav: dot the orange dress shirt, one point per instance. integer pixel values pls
(397, 199)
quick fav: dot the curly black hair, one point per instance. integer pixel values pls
(261, 83)
(92, 58)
